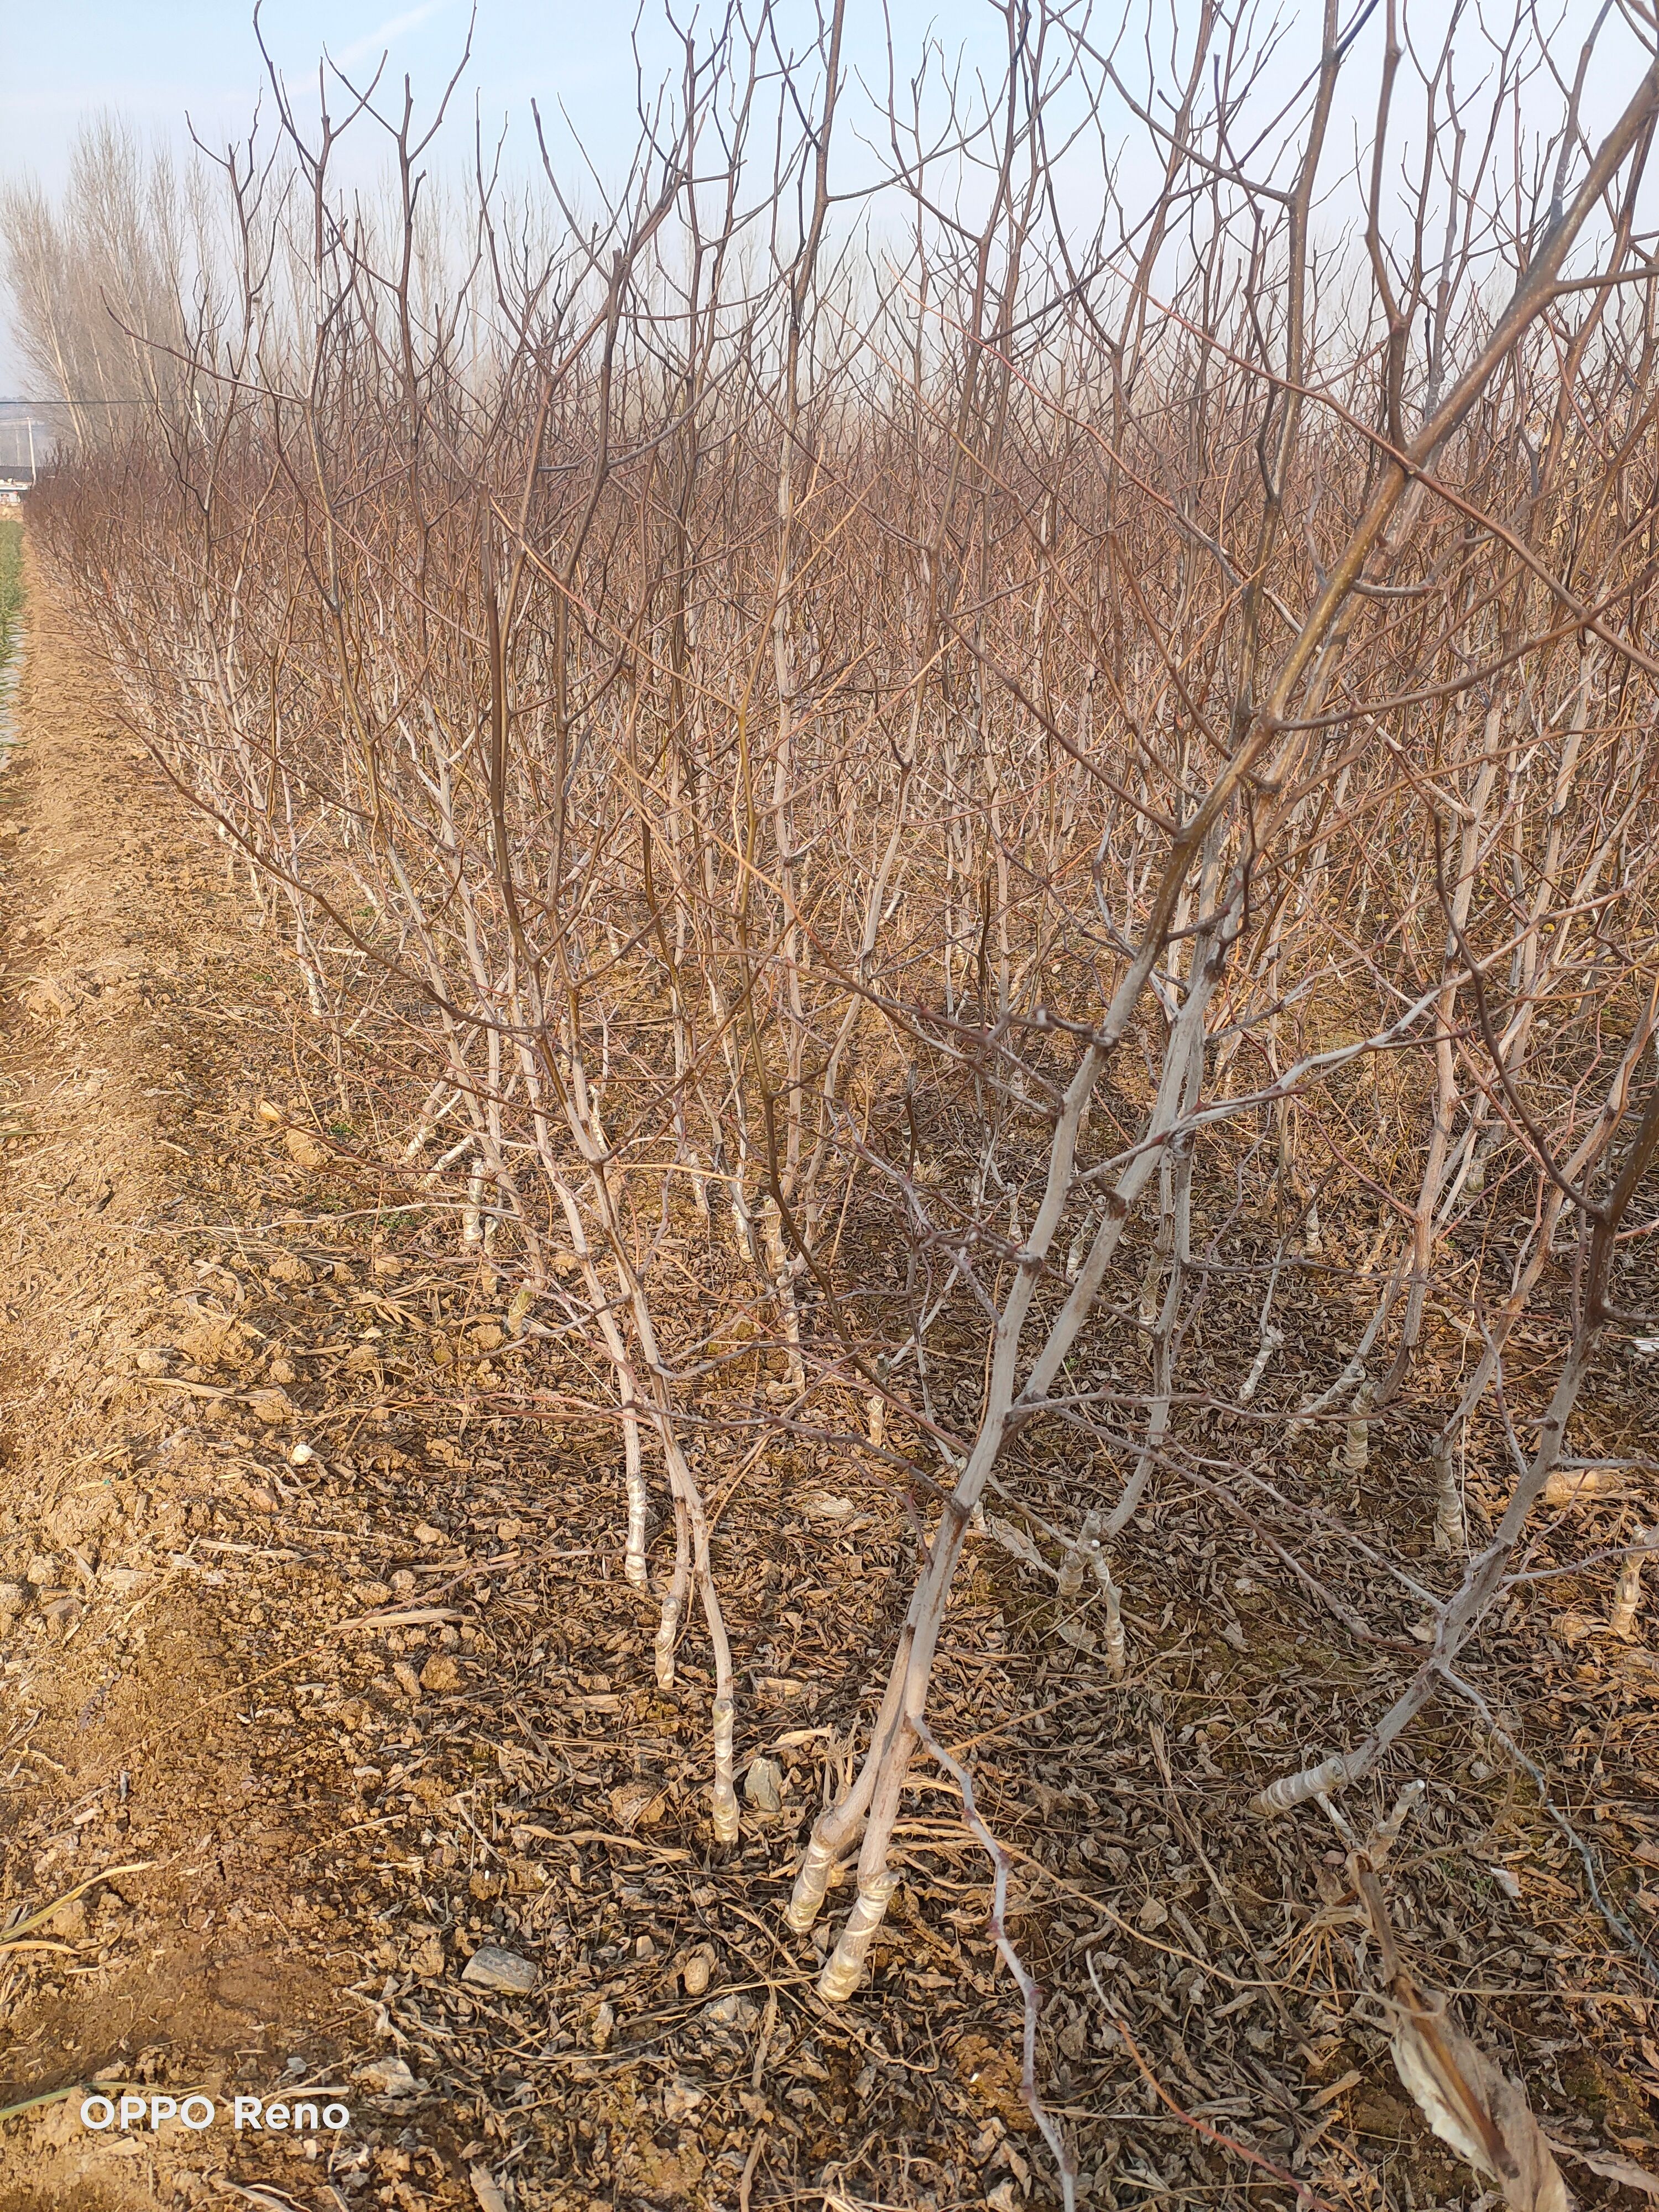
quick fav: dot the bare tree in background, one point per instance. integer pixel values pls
(98, 280)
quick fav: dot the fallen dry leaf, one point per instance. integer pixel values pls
(484, 2188)
(1611, 2167)
(1472, 2104)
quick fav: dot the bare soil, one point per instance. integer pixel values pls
(282, 1814)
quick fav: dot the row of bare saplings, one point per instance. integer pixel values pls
(983, 808)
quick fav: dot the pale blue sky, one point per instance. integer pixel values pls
(158, 60)
(155, 59)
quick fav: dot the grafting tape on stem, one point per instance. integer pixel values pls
(1627, 1600)
(663, 1643)
(1293, 1790)
(725, 1790)
(845, 1968)
(812, 1882)
(633, 1565)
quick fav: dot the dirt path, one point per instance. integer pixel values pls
(122, 1747)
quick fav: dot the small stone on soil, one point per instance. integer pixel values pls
(490, 1967)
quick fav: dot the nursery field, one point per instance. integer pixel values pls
(314, 1818)
(829, 1335)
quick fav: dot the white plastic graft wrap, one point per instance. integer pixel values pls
(812, 1882)
(1627, 1600)
(844, 1969)
(1084, 1553)
(724, 1789)
(1273, 1341)
(1293, 1790)
(668, 1627)
(1356, 1442)
(638, 1510)
(1451, 1536)
(1116, 1645)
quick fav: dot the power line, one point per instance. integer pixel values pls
(141, 399)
